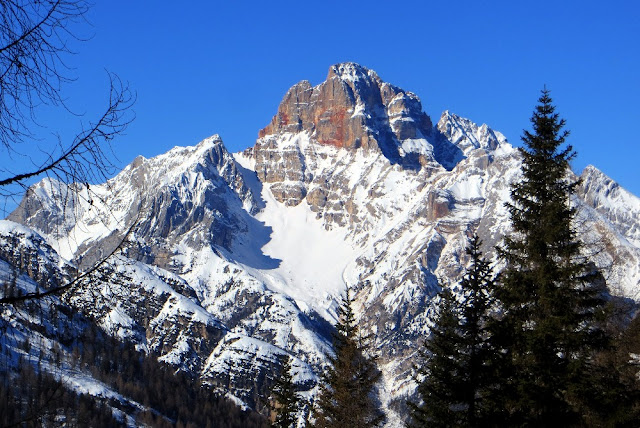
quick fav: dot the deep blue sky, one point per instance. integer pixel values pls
(204, 67)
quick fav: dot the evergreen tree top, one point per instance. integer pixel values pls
(546, 125)
(545, 161)
(347, 392)
(347, 326)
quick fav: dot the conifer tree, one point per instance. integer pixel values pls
(441, 370)
(346, 395)
(614, 382)
(456, 361)
(285, 399)
(552, 298)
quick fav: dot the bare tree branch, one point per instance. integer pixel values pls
(85, 160)
(34, 42)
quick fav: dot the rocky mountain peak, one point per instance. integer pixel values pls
(196, 195)
(353, 108)
(355, 111)
(467, 135)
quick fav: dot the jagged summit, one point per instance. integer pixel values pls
(351, 71)
(357, 113)
(467, 135)
(196, 190)
(352, 109)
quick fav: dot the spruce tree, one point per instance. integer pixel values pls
(346, 395)
(441, 370)
(455, 375)
(285, 399)
(552, 298)
(479, 355)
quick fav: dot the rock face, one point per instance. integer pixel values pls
(607, 197)
(353, 108)
(235, 259)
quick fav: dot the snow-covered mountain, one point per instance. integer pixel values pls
(235, 259)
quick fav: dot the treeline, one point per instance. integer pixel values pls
(539, 344)
(30, 396)
(35, 398)
(170, 398)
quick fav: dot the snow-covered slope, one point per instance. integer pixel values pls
(234, 259)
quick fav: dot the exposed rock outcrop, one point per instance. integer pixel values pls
(352, 109)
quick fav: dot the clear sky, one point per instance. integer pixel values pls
(211, 67)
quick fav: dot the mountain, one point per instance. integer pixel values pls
(234, 259)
